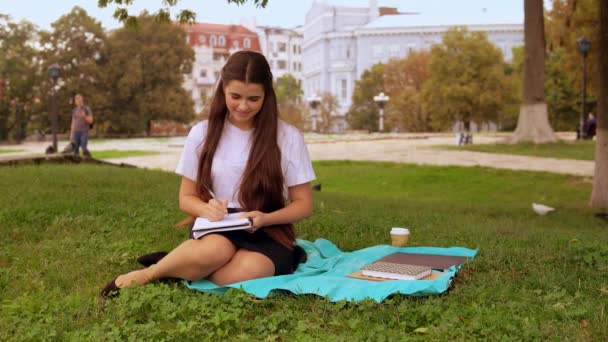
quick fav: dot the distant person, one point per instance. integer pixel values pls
(590, 126)
(82, 118)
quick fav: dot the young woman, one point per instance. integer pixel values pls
(247, 158)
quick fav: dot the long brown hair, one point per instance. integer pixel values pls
(262, 183)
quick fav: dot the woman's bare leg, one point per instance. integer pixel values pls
(244, 265)
(191, 260)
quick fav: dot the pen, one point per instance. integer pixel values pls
(230, 210)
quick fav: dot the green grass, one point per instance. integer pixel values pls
(10, 150)
(66, 230)
(109, 154)
(583, 150)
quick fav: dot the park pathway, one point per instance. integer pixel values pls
(401, 148)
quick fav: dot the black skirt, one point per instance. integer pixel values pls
(285, 260)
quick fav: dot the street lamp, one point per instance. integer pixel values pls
(54, 74)
(584, 45)
(381, 100)
(314, 102)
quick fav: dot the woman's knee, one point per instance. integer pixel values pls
(211, 249)
(245, 265)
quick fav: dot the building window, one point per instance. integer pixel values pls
(294, 66)
(235, 43)
(378, 50)
(203, 73)
(343, 89)
(218, 56)
(222, 41)
(282, 47)
(394, 50)
(212, 40)
(348, 52)
(201, 39)
(246, 43)
(281, 65)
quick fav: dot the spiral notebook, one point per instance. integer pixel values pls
(232, 221)
(389, 270)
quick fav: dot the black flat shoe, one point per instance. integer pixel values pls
(111, 290)
(603, 216)
(151, 259)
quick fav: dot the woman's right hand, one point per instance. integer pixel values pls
(215, 210)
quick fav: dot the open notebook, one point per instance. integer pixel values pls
(232, 221)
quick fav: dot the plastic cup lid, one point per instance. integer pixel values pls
(400, 231)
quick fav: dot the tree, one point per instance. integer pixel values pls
(164, 14)
(533, 123)
(327, 108)
(363, 112)
(563, 98)
(77, 44)
(467, 82)
(565, 23)
(599, 194)
(289, 98)
(17, 77)
(403, 81)
(145, 75)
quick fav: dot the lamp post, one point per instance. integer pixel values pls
(54, 74)
(314, 102)
(381, 100)
(584, 45)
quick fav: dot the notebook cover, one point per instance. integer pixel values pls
(390, 267)
(359, 275)
(436, 262)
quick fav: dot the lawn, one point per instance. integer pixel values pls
(109, 154)
(66, 230)
(583, 150)
(9, 150)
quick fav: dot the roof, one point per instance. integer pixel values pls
(217, 28)
(426, 20)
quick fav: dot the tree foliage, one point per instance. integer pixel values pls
(78, 45)
(145, 76)
(122, 14)
(326, 111)
(289, 98)
(17, 77)
(363, 112)
(403, 81)
(467, 82)
(567, 21)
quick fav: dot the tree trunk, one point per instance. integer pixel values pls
(599, 195)
(533, 123)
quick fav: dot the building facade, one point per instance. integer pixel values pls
(283, 50)
(212, 45)
(341, 42)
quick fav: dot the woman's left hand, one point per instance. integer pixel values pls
(259, 220)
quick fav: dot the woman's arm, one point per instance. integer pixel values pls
(88, 118)
(191, 204)
(299, 207)
(72, 130)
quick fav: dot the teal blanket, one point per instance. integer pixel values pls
(324, 274)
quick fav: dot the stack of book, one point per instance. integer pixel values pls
(407, 266)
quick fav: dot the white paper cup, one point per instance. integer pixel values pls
(399, 236)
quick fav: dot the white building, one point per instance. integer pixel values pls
(212, 45)
(283, 50)
(341, 42)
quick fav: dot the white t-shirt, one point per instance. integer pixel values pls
(231, 156)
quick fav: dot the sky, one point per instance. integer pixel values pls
(281, 13)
